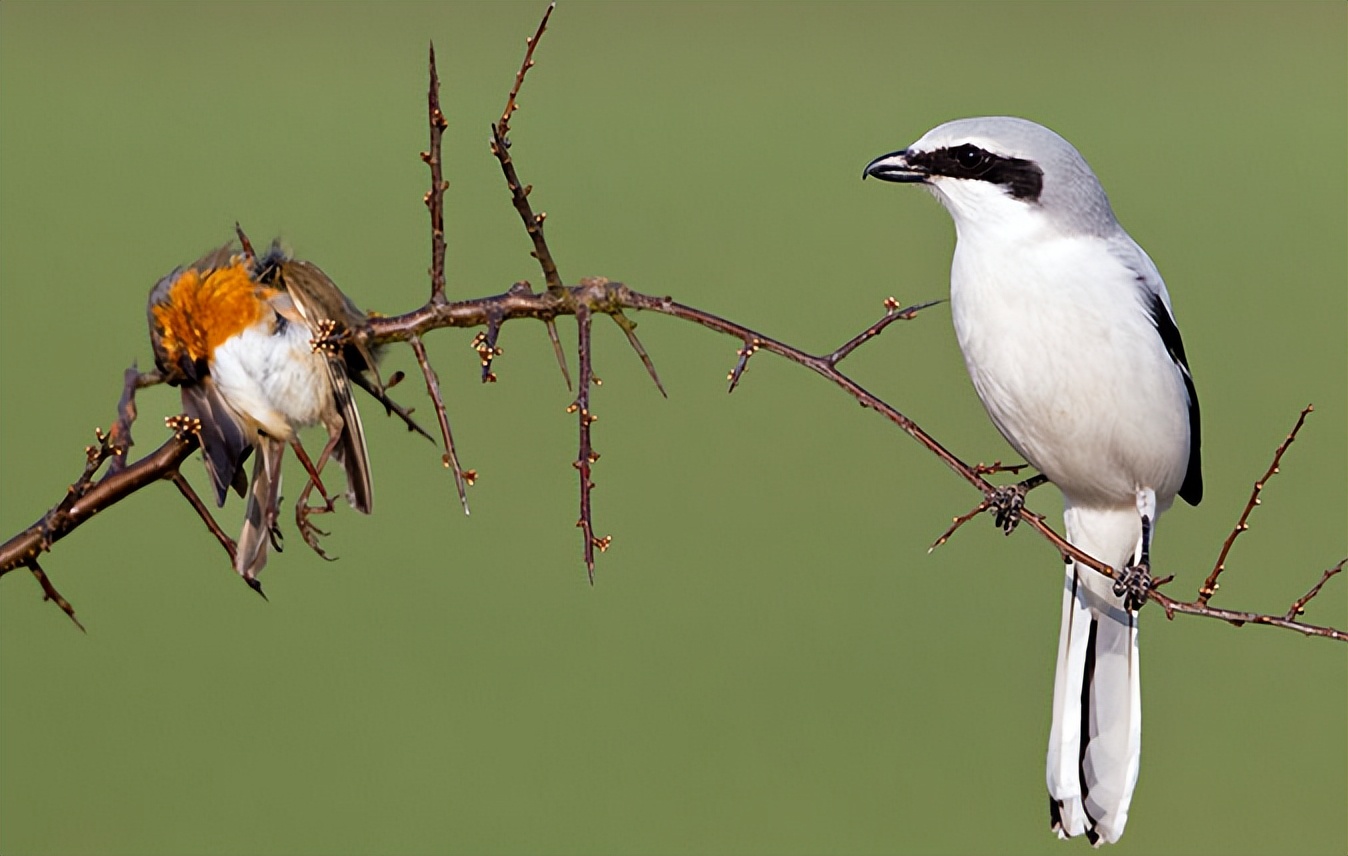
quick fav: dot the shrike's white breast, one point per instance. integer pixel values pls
(1065, 357)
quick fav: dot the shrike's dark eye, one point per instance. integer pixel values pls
(970, 157)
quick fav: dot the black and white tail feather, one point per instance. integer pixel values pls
(1095, 740)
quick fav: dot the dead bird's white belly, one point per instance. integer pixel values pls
(274, 377)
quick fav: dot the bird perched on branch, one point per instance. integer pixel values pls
(1068, 335)
(251, 343)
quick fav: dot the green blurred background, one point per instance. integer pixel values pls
(769, 661)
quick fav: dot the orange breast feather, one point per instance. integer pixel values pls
(206, 308)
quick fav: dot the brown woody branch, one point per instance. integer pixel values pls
(500, 147)
(1209, 587)
(519, 192)
(450, 458)
(587, 456)
(435, 197)
(1239, 619)
(50, 593)
(204, 512)
(594, 295)
(1299, 605)
(88, 496)
(119, 436)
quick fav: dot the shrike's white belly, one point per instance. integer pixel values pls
(1071, 370)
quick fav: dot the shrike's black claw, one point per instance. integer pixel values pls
(1133, 585)
(1007, 502)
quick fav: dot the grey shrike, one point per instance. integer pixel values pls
(1068, 335)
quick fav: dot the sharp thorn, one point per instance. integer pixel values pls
(557, 349)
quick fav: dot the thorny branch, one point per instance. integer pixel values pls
(587, 456)
(450, 459)
(435, 203)
(49, 592)
(519, 192)
(204, 513)
(592, 296)
(1209, 587)
(87, 497)
(1299, 605)
(435, 197)
(119, 436)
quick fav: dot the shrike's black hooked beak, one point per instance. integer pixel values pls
(894, 167)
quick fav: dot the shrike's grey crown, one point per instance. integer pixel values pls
(1027, 161)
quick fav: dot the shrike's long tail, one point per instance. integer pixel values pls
(1096, 738)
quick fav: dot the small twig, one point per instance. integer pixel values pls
(1299, 605)
(391, 407)
(119, 436)
(503, 126)
(519, 192)
(892, 313)
(49, 592)
(450, 458)
(94, 458)
(998, 467)
(1209, 587)
(750, 348)
(1008, 501)
(587, 455)
(435, 197)
(487, 351)
(204, 513)
(960, 521)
